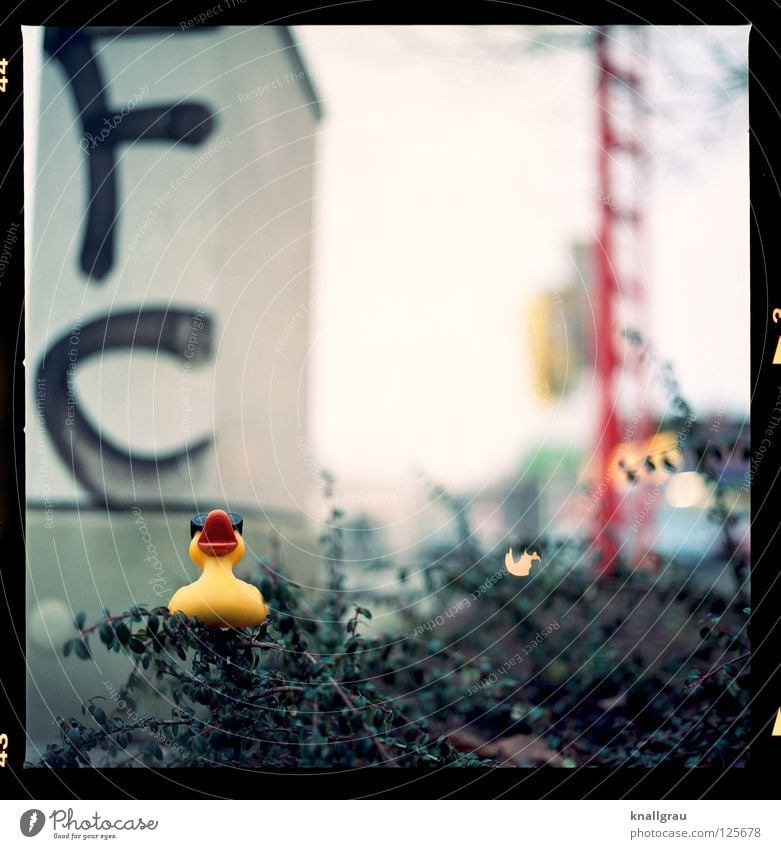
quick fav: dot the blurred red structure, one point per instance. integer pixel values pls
(620, 217)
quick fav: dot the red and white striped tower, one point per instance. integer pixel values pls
(620, 279)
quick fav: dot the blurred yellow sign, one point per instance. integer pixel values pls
(557, 334)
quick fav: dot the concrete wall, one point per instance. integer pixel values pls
(217, 233)
(220, 230)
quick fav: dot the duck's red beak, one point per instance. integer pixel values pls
(217, 538)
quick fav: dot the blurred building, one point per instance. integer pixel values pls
(168, 307)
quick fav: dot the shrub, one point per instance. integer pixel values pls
(521, 672)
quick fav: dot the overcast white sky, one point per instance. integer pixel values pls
(453, 180)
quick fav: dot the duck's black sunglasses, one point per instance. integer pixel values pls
(197, 522)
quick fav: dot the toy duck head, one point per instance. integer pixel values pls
(216, 536)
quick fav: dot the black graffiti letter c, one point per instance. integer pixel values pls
(111, 474)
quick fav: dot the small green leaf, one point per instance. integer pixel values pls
(517, 712)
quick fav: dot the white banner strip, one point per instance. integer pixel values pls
(381, 824)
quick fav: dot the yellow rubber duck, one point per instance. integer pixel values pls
(218, 598)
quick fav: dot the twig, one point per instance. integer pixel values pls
(716, 669)
(384, 753)
(141, 724)
(85, 631)
(254, 644)
(288, 688)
